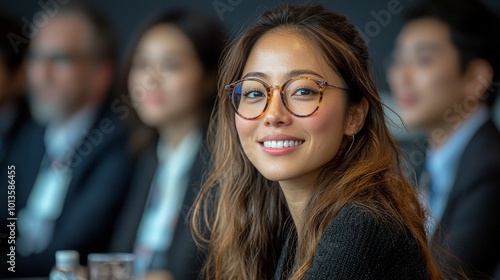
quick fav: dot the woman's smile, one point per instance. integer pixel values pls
(280, 144)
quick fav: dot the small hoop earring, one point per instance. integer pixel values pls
(352, 142)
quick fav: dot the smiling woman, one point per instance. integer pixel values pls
(306, 182)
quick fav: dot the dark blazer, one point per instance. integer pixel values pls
(471, 220)
(15, 128)
(182, 259)
(95, 194)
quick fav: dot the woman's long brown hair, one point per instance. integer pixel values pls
(241, 217)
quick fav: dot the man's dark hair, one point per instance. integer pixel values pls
(11, 55)
(474, 30)
(103, 41)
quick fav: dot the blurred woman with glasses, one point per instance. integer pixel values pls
(306, 182)
(170, 76)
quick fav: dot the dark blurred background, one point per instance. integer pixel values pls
(378, 20)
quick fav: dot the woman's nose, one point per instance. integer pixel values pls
(277, 114)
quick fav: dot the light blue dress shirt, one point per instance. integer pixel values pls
(442, 164)
(45, 202)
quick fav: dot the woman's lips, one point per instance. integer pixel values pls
(280, 144)
(406, 101)
(154, 98)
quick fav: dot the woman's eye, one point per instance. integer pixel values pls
(253, 94)
(304, 92)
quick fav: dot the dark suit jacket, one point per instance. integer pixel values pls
(15, 128)
(182, 259)
(95, 194)
(471, 219)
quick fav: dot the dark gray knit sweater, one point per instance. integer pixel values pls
(358, 245)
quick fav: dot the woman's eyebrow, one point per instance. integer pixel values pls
(290, 74)
(427, 47)
(168, 54)
(302, 72)
(255, 75)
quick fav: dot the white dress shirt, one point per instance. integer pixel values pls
(165, 199)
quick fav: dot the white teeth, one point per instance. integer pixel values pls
(282, 144)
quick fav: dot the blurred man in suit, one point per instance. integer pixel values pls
(445, 77)
(72, 174)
